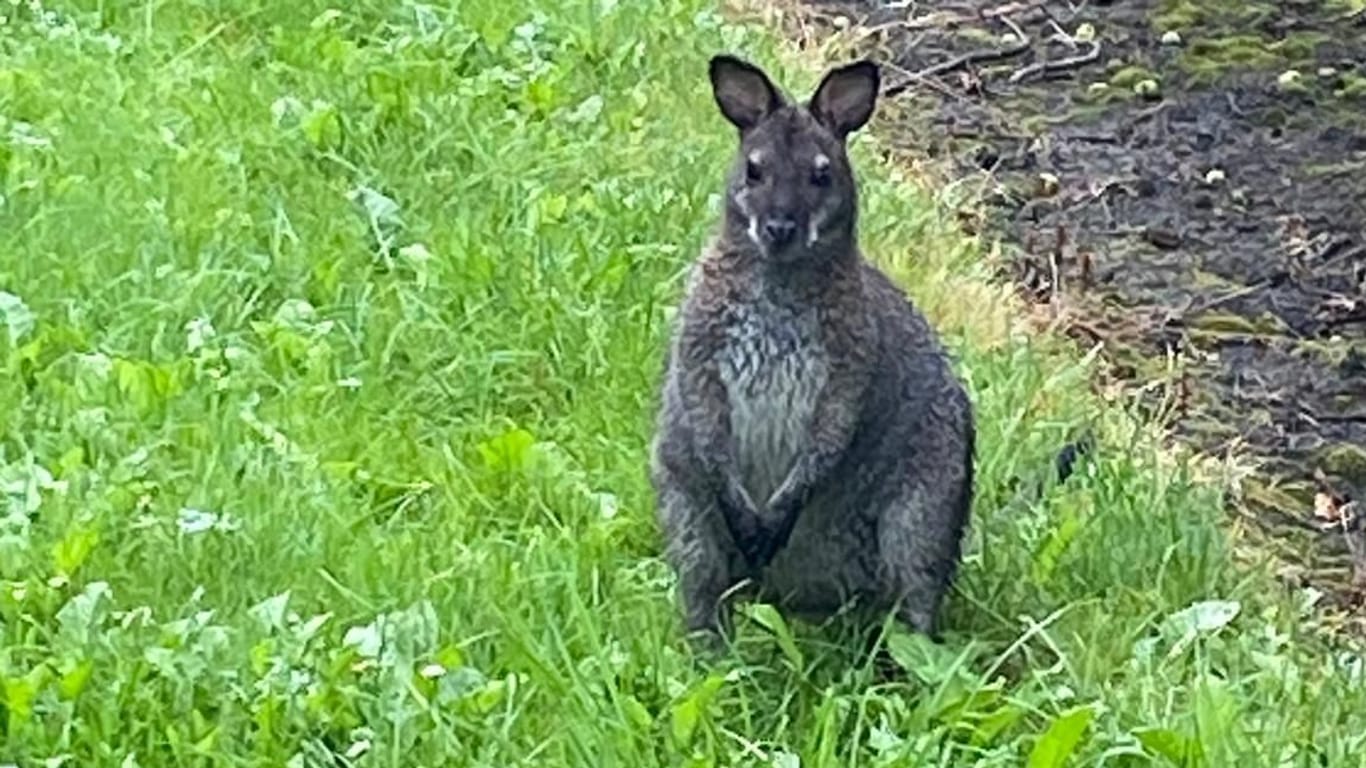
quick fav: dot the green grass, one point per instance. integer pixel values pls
(326, 384)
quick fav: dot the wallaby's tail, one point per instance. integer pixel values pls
(1070, 453)
(1064, 464)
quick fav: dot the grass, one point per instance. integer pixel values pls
(330, 346)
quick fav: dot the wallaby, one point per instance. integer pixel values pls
(812, 436)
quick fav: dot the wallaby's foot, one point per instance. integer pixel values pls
(697, 546)
(706, 609)
(708, 623)
(920, 616)
(917, 576)
(702, 611)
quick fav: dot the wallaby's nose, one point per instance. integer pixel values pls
(779, 231)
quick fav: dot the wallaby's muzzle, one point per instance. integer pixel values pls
(779, 231)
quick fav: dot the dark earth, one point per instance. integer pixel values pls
(1187, 178)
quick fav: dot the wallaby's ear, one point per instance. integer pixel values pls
(743, 92)
(845, 99)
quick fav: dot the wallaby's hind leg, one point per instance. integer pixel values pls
(919, 545)
(697, 547)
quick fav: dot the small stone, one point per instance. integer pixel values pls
(1085, 33)
(1165, 239)
(1009, 38)
(841, 22)
(1171, 37)
(1214, 176)
(1095, 89)
(986, 157)
(1288, 77)
(1327, 71)
(1048, 185)
(1148, 89)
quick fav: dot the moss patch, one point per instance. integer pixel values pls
(1210, 58)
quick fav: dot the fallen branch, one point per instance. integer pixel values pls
(1333, 418)
(959, 62)
(1057, 65)
(968, 59)
(910, 76)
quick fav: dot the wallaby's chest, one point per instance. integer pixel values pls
(774, 366)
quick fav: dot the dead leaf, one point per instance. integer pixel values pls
(1326, 508)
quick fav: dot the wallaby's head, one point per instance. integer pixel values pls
(791, 189)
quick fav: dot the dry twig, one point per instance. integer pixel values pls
(1057, 65)
(966, 60)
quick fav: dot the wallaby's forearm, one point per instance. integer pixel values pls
(832, 429)
(707, 409)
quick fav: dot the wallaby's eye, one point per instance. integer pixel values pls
(820, 171)
(753, 174)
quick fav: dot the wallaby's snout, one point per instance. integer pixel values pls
(778, 231)
(791, 191)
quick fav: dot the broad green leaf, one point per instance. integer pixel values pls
(384, 89)
(270, 613)
(687, 713)
(71, 551)
(322, 126)
(553, 207)
(508, 451)
(73, 681)
(1205, 617)
(71, 461)
(491, 695)
(450, 657)
(769, 618)
(15, 316)
(83, 613)
(1217, 718)
(20, 693)
(932, 663)
(993, 724)
(637, 713)
(1062, 738)
(1050, 553)
(1169, 744)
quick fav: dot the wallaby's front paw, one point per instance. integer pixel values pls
(744, 524)
(757, 549)
(784, 516)
(751, 539)
(771, 538)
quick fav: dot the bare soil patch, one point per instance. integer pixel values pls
(1189, 179)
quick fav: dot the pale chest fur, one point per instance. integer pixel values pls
(774, 366)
